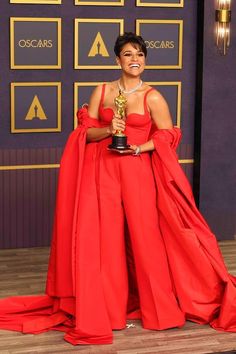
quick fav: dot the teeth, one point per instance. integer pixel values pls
(134, 65)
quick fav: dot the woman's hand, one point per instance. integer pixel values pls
(117, 124)
(133, 148)
(130, 151)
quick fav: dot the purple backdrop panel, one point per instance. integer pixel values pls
(218, 147)
(164, 40)
(100, 2)
(94, 42)
(36, 107)
(167, 3)
(35, 43)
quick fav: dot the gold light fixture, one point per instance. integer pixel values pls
(223, 18)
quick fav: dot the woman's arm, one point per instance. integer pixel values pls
(97, 134)
(160, 114)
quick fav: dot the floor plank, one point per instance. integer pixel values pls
(23, 272)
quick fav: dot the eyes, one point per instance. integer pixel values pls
(130, 54)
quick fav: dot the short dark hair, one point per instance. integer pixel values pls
(130, 37)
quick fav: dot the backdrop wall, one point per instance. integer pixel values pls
(29, 160)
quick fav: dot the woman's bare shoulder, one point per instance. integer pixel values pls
(154, 96)
(107, 86)
(111, 86)
(152, 91)
(158, 107)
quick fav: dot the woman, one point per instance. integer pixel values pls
(128, 239)
(119, 182)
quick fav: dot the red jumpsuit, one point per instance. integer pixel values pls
(126, 190)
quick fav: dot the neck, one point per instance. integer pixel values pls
(129, 82)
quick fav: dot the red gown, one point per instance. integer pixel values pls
(128, 242)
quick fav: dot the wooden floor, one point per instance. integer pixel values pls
(23, 271)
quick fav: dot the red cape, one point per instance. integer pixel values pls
(205, 291)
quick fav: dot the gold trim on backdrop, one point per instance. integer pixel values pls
(31, 84)
(179, 95)
(41, 2)
(186, 161)
(76, 43)
(12, 42)
(100, 3)
(76, 92)
(159, 4)
(28, 167)
(57, 165)
(180, 56)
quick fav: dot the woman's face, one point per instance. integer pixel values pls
(131, 60)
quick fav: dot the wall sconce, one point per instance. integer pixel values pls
(223, 18)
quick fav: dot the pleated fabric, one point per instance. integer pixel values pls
(128, 242)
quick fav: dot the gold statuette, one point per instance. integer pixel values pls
(119, 139)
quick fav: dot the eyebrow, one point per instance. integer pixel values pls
(129, 51)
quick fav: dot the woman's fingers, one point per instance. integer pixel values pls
(116, 116)
(118, 124)
(133, 147)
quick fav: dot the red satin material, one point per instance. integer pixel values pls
(74, 300)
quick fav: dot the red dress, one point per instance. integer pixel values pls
(128, 242)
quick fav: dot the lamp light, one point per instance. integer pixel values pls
(223, 18)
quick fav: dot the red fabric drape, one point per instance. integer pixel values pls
(205, 291)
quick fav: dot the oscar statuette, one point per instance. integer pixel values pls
(119, 139)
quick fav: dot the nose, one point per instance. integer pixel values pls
(134, 56)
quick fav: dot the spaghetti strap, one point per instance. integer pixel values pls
(145, 100)
(102, 95)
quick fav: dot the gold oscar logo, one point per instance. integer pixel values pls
(98, 47)
(34, 43)
(35, 110)
(160, 44)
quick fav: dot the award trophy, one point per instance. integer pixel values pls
(119, 139)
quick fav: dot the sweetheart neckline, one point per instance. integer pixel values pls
(132, 113)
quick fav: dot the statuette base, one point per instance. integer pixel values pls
(119, 143)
